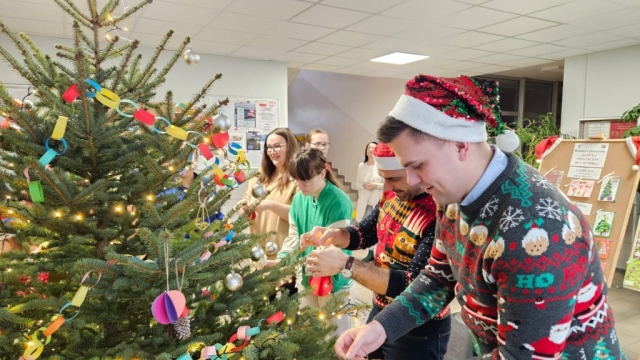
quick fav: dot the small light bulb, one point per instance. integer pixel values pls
(10, 211)
(8, 197)
(289, 322)
(339, 316)
(299, 313)
(150, 197)
(170, 168)
(125, 29)
(118, 208)
(57, 214)
(30, 343)
(321, 316)
(79, 217)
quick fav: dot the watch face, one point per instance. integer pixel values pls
(346, 273)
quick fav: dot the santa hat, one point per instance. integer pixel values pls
(385, 158)
(456, 109)
(546, 146)
(548, 348)
(633, 142)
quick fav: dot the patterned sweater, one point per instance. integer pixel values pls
(522, 263)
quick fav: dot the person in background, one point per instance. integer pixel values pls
(520, 257)
(368, 183)
(402, 230)
(318, 139)
(320, 202)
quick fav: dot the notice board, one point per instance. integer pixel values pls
(597, 176)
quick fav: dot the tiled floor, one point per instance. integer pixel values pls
(624, 302)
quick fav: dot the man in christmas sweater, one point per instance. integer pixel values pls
(402, 225)
(518, 256)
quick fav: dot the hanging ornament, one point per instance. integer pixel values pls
(260, 264)
(169, 307)
(191, 57)
(233, 281)
(202, 217)
(256, 253)
(183, 327)
(271, 248)
(221, 123)
(259, 191)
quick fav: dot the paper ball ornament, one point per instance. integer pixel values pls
(221, 123)
(271, 248)
(508, 142)
(256, 253)
(259, 191)
(169, 307)
(321, 286)
(233, 282)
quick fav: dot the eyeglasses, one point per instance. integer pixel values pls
(274, 148)
(320, 144)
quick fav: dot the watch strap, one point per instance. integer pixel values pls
(349, 263)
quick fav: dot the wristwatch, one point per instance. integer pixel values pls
(346, 271)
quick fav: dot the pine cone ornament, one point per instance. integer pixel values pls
(183, 327)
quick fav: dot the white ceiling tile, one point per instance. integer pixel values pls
(34, 27)
(383, 25)
(523, 6)
(473, 2)
(383, 73)
(428, 32)
(352, 71)
(526, 62)
(179, 13)
(210, 4)
(44, 12)
(295, 64)
(438, 48)
(216, 48)
(491, 69)
(240, 22)
(338, 61)
(272, 42)
(400, 45)
(427, 63)
(463, 65)
(627, 2)
(588, 40)
(518, 26)
(627, 31)
(467, 54)
(149, 26)
(498, 59)
(349, 38)
(363, 54)
(378, 66)
(475, 18)
(614, 45)
(329, 17)
(471, 38)
(322, 49)
(257, 53)
(225, 36)
(319, 67)
(538, 50)
(564, 54)
(300, 31)
(278, 9)
(555, 33)
(506, 45)
(370, 6)
(299, 57)
(611, 20)
(576, 10)
(424, 10)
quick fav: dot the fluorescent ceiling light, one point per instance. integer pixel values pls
(399, 58)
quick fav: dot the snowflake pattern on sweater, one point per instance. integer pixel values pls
(521, 261)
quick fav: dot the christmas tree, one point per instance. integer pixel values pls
(607, 191)
(603, 227)
(107, 227)
(602, 352)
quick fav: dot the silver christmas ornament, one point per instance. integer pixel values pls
(220, 123)
(259, 191)
(233, 282)
(260, 264)
(191, 57)
(256, 253)
(270, 248)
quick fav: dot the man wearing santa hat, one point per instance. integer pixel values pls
(402, 225)
(438, 132)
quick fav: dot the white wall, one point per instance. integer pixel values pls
(602, 84)
(348, 107)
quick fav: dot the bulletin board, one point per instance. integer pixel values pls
(611, 128)
(597, 176)
(632, 275)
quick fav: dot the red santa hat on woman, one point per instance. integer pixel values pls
(385, 158)
(456, 109)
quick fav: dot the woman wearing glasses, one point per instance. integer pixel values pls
(272, 214)
(318, 139)
(320, 202)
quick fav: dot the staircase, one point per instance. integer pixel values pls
(346, 186)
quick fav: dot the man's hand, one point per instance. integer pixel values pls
(325, 262)
(312, 238)
(357, 343)
(271, 263)
(321, 236)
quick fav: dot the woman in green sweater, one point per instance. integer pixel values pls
(320, 202)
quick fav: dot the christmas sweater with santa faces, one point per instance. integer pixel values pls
(521, 261)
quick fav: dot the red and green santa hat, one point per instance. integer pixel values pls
(456, 109)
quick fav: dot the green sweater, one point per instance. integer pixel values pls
(332, 208)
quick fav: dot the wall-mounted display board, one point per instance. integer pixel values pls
(611, 128)
(597, 176)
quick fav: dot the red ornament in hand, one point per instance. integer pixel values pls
(322, 286)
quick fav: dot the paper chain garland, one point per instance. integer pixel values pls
(111, 100)
(244, 334)
(37, 346)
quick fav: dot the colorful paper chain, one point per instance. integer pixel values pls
(244, 334)
(37, 346)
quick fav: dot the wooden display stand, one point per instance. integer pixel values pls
(618, 161)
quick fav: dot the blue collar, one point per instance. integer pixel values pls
(497, 165)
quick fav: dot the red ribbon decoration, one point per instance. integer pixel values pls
(322, 286)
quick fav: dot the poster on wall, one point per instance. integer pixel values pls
(266, 115)
(253, 140)
(592, 129)
(589, 155)
(245, 112)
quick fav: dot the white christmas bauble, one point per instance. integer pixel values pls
(256, 253)
(221, 123)
(259, 191)
(233, 282)
(260, 264)
(635, 167)
(191, 57)
(508, 142)
(270, 248)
